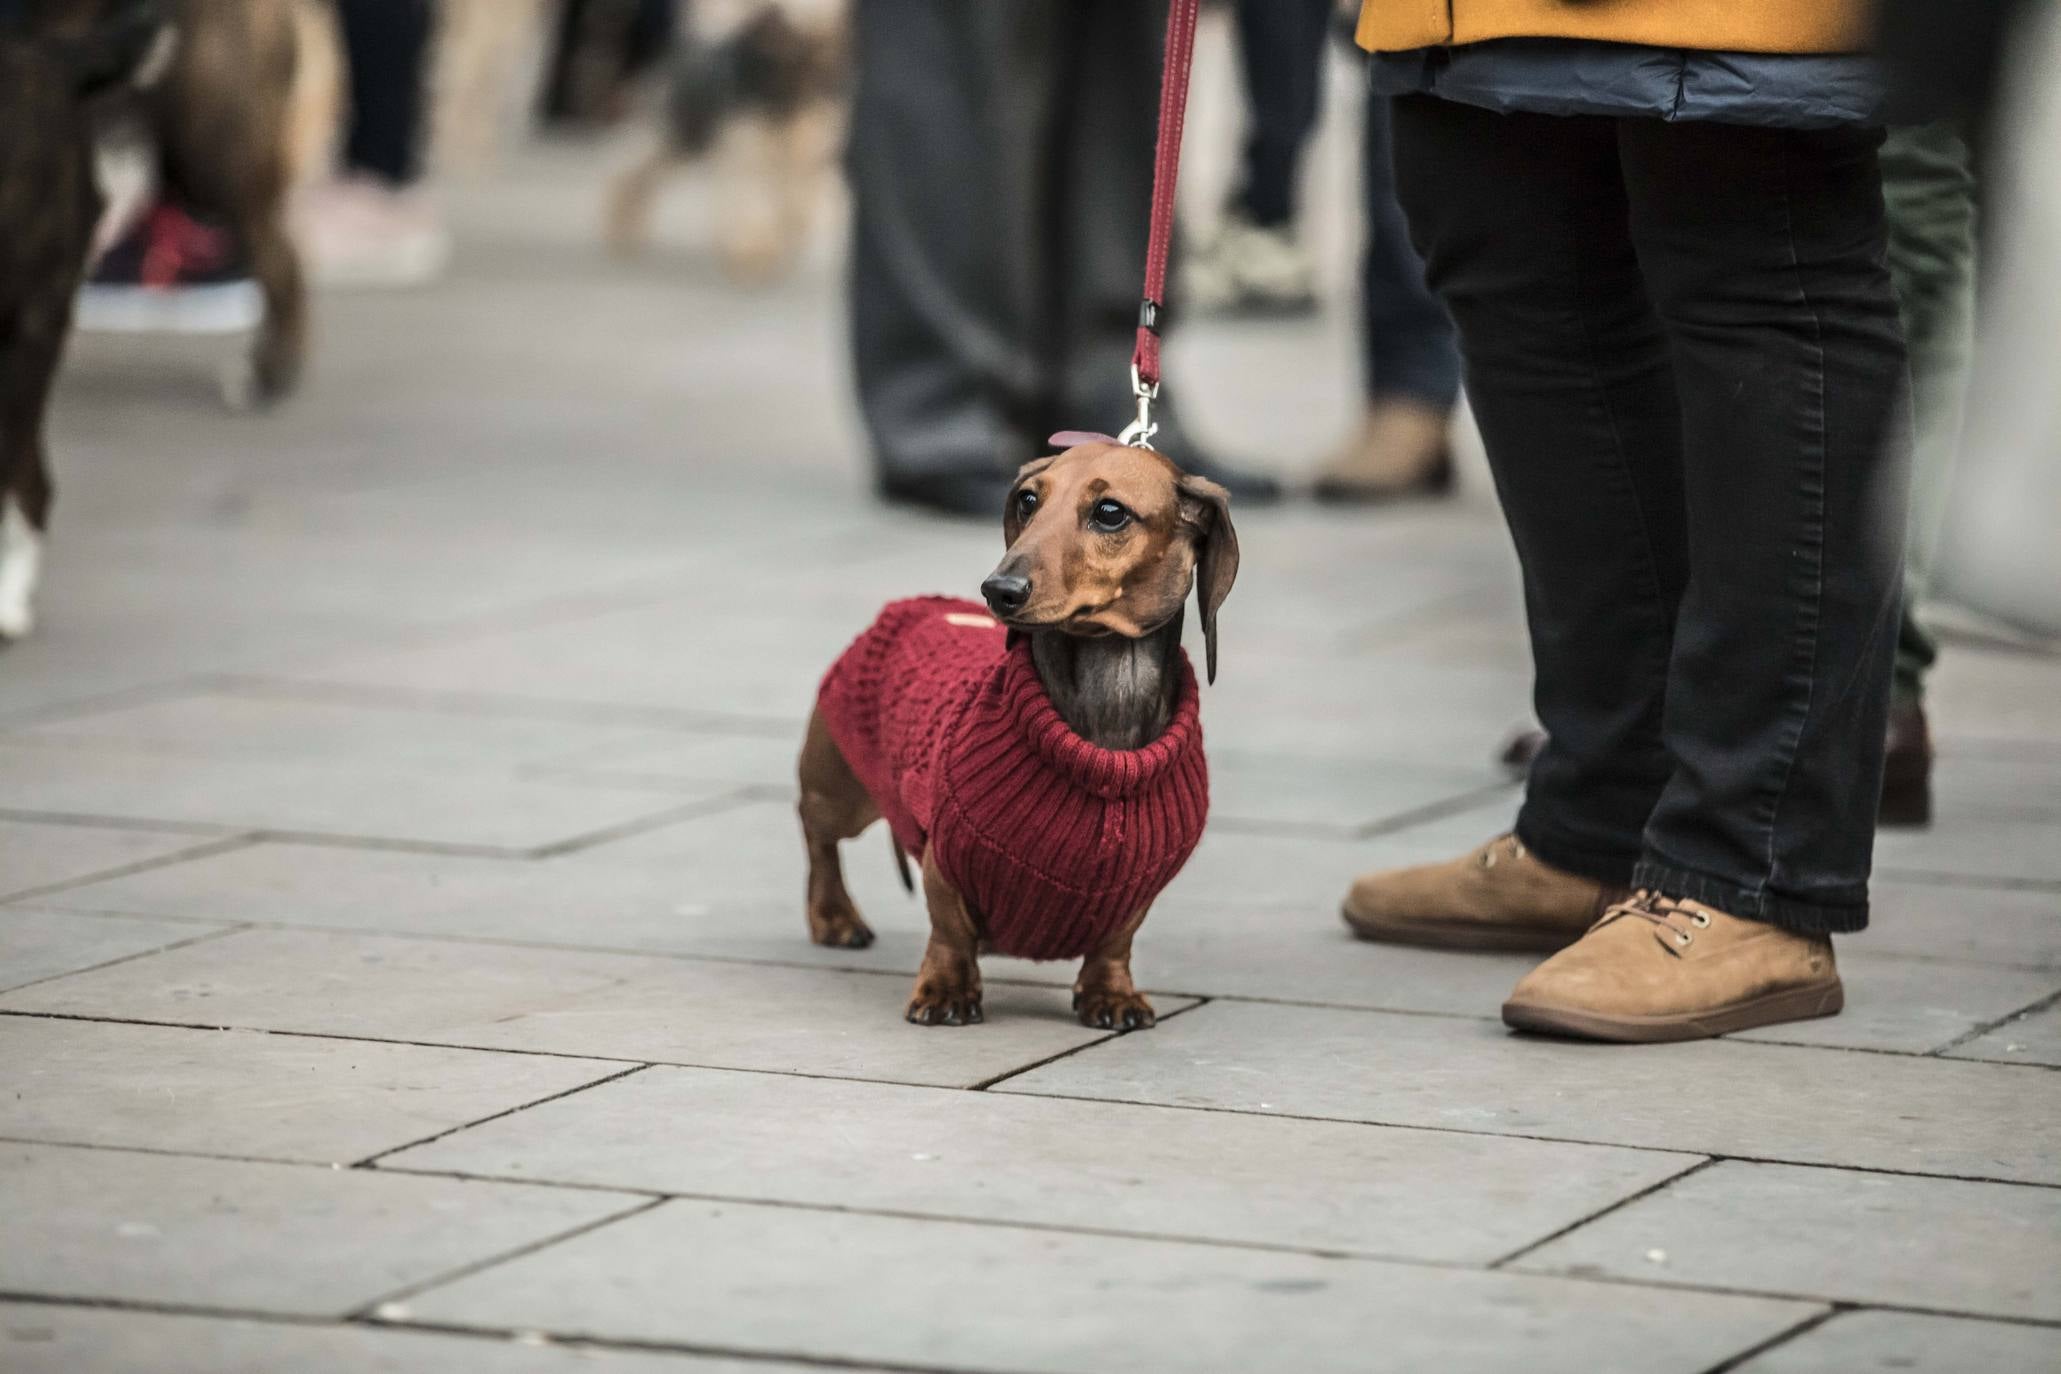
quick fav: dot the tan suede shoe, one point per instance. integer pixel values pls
(1658, 969)
(1499, 897)
(1400, 450)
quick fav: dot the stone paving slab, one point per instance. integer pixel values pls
(2018, 848)
(34, 856)
(1985, 1248)
(1776, 1102)
(736, 1276)
(2033, 1039)
(51, 1339)
(724, 886)
(253, 1095)
(35, 945)
(1910, 1343)
(345, 797)
(623, 1007)
(249, 721)
(1141, 1170)
(282, 1238)
(1912, 1006)
(1984, 924)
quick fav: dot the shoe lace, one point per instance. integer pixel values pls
(1675, 922)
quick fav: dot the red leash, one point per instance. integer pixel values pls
(1166, 175)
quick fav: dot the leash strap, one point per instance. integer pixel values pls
(1166, 175)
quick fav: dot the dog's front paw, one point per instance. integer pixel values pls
(1118, 1009)
(944, 1004)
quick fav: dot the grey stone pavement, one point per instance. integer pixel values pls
(402, 963)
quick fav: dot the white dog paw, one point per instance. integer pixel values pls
(21, 560)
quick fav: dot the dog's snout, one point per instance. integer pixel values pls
(1006, 592)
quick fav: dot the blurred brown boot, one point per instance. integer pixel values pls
(1499, 897)
(1658, 969)
(1907, 767)
(1400, 450)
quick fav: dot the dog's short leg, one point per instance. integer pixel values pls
(834, 807)
(948, 985)
(631, 199)
(1104, 995)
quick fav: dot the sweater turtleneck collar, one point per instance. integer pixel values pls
(1015, 693)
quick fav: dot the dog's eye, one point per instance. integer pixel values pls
(1109, 517)
(1026, 504)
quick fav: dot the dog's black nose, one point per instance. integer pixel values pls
(1006, 593)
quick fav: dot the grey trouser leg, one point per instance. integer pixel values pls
(1001, 168)
(1928, 186)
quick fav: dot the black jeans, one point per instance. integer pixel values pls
(1281, 52)
(386, 46)
(1683, 351)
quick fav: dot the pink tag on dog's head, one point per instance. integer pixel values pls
(1074, 438)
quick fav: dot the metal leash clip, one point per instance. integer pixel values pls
(1138, 433)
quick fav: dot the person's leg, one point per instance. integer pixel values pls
(1252, 261)
(1568, 373)
(1571, 385)
(1764, 252)
(944, 241)
(1928, 187)
(1411, 357)
(1410, 348)
(1281, 56)
(387, 43)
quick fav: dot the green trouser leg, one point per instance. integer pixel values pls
(1929, 187)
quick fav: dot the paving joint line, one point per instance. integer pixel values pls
(1456, 805)
(373, 1159)
(1619, 1205)
(201, 937)
(1780, 1338)
(2032, 1009)
(511, 706)
(207, 849)
(1069, 1052)
(1720, 1156)
(368, 1312)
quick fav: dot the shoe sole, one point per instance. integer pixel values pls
(1794, 1004)
(1445, 935)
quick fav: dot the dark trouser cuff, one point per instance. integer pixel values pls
(1805, 918)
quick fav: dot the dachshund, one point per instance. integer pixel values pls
(1039, 756)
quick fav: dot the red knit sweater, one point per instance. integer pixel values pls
(1053, 841)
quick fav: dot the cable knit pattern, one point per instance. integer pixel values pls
(1054, 841)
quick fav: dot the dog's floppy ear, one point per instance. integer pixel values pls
(1012, 523)
(1208, 507)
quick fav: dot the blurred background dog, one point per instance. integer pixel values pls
(761, 101)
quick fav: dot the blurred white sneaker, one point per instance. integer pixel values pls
(361, 233)
(1242, 268)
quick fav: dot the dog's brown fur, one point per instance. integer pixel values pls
(222, 120)
(1103, 611)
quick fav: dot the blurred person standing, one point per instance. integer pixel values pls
(1254, 260)
(1928, 184)
(373, 224)
(1659, 228)
(1000, 161)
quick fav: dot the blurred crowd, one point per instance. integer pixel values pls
(1716, 282)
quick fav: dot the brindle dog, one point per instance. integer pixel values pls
(49, 74)
(1103, 543)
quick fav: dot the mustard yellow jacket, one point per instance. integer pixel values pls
(1766, 26)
